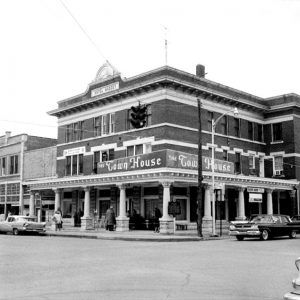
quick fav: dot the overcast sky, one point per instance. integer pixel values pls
(45, 57)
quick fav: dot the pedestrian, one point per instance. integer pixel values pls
(157, 216)
(57, 219)
(110, 219)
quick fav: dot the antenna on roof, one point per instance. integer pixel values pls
(166, 45)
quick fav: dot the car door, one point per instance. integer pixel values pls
(6, 225)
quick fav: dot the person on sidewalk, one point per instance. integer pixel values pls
(157, 216)
(110, 219)
(57, 219)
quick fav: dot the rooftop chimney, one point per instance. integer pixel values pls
(7, 136)
(200, 71)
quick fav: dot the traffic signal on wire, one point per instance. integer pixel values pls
(138, 116)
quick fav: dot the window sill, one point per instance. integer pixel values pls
(276, 142)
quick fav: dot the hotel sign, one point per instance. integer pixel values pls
(105, 89)
(163, 159)
(74, 151)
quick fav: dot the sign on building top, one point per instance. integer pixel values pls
(163, 159)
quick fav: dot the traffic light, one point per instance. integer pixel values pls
(138, 116)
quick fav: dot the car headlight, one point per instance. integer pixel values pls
(231, 227)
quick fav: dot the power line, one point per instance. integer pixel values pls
(83, 30)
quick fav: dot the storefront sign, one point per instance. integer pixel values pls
(74, 151)
(255, 198)
(105, 89)
(255, 190)
(161, 159)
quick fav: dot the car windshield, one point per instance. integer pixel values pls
(261, 219)
(26, 219)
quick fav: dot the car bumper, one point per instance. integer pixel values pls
(245, 233)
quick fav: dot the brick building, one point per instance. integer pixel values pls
(14, 169)
(103, 160)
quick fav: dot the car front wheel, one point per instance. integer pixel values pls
(292, 234)
(265, 235)
(239, 238)
(15, 231)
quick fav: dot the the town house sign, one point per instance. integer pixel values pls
(163, 159)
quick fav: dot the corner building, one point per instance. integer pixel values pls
(102, 160)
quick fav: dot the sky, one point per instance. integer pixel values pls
(45, 56)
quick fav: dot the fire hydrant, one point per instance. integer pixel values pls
(295, 294)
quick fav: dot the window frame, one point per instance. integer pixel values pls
(277, 136)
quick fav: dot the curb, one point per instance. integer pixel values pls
(127, 238)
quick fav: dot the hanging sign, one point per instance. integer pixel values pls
(255, 198)
(105, 89)
(255, 190)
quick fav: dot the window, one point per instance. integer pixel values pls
(13, 169)
(259, 132)
(236, 127)
(80, 130)
(210, 116)
(251, 162)
(135, 150)
(112, 123)
(250, 131)
(3, 166)
(225, 155)
(100, 156)
(104, 124)
(97, 126)
(278, 165)
(74, 164)
(277, 132)
(149, 115)
(237, 163)
(223, 125)
(68, 133)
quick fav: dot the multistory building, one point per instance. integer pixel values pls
(104, 158)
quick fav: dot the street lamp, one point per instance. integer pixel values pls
(214, 123)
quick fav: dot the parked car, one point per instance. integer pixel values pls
(295, 218)
(265, 227)
(16, 224)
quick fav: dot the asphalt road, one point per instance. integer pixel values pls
(41, 267)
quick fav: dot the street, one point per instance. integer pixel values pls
(41, 267)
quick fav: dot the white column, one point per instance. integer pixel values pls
(269, 201)
(142, 203)
(87, 202)
(188, 205)
(241, 204)
(122, 201)
(57, 199)
(207, 203)
(166, 200)
(122, 220)
(31, 204)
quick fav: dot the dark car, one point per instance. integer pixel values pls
(295, 218)
(265, 227)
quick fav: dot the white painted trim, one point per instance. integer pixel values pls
(278, 119)
(139, 141)
(279, 153)
(277, 142)
(174, 142)
(238, 150)
(104, 147)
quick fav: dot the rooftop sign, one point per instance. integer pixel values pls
(163, 159)
(105, 89)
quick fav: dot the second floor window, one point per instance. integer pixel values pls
(138, 149)
(236, 127)
(277, 132)
(100, 156)
(251, 162)
(237, 163)
(14, 164)
(210, 116)
(250, 131)
(225, 155)
(3, 166)
(278, 164)
(260, 133)
(223, 125)
(97, 126)
(74, 132)
(74, 165)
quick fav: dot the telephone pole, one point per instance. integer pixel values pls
(199, 192)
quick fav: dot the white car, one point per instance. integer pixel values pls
(16, 224)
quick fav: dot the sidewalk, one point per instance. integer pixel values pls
(132, 235)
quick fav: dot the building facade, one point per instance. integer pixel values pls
(105, 157)
(14, 169)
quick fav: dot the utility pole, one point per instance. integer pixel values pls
(199, 194)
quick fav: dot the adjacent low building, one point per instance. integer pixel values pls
(16, 167)
(132, 143)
